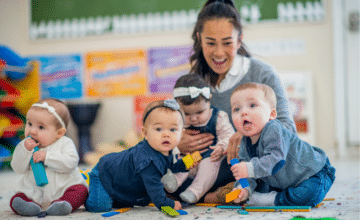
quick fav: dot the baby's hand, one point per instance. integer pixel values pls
(177, 205)
(30, 144)
(217, 153)
(239, 170)
(244, 195)
(39, 156)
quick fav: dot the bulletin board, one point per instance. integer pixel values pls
(46, 10)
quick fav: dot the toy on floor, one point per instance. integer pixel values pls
(208, 204)
(190, 159)
(109, 214)
(243, 182)
(278, 208)
(169, 211)
(243, 212)
(39, 171)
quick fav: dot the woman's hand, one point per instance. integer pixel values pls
(192, 141)
(233, 150)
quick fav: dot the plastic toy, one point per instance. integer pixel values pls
(169, 211)
(39, 171)
(243, 182)
(109, 214)
(229, 207)
(278, 208)
(85, 174)
(208, 204)
(243, 212)
(233, 195)
(190, 159)
(182, 212)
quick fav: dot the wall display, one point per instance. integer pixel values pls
(116, 73)
(299, 88)
(61, 76)
(80, 18)
(166, 65)
(140, 103)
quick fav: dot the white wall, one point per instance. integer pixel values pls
(115, 116)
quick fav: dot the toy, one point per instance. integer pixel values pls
(243, 182)
(319, 205)
(278, 208)
(182, 212)
(243, 212)
(109, 214)
(169, 211)
(85, 174)
(207, 204)
(39, 171)
(229, 207)
(233, 195)
(190, 159)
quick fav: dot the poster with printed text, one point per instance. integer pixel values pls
(140, 103)
(166, 65)
(116, 73)
(61, 76)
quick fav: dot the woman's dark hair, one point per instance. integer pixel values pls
(213, 9)
(191, 80)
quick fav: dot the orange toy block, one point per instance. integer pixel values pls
(233, 195)
(196, 156)
(188, 161)
(122, 210)
(208, 204)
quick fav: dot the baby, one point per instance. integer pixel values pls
(193, 95)
(133, 177)
(66, 191)
(298, 174)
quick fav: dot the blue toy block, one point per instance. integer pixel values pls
(182, 212)
(243, 212)
(243, 182)
(39, 171)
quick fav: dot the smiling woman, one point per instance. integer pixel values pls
(221, 59)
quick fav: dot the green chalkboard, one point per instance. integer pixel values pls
(46, 10)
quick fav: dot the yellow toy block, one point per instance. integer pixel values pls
(208, 204)
(122, 210)
(233, 195)
(196, 156)
(188, 161)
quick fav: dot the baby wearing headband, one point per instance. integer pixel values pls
(46, 123)
(193, 95)
(133, 176)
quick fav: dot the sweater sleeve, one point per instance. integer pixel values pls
(178, 167)
(274, 154)
(224, 130)
(20, 162)
(155, 189)
(271, 78)
(63, 158)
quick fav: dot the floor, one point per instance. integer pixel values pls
(345, 190)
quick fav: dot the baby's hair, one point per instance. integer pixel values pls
(268, 91)
(156, 104)
(60, 108)
(191, 80)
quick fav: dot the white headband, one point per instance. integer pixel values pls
(51, 110)
(193, 92)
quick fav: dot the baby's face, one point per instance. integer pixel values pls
(250, 112)
(196, 114)
(163, 129)
(40, 125)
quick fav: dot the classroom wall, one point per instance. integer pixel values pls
(115, 116)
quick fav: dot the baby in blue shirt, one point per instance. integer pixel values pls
(297, 173)
(133, 177)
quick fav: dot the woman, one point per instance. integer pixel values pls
(221, 58)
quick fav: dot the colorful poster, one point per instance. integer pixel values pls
(140, 103)
(61, 76)
(166, 65)
(116, 73)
